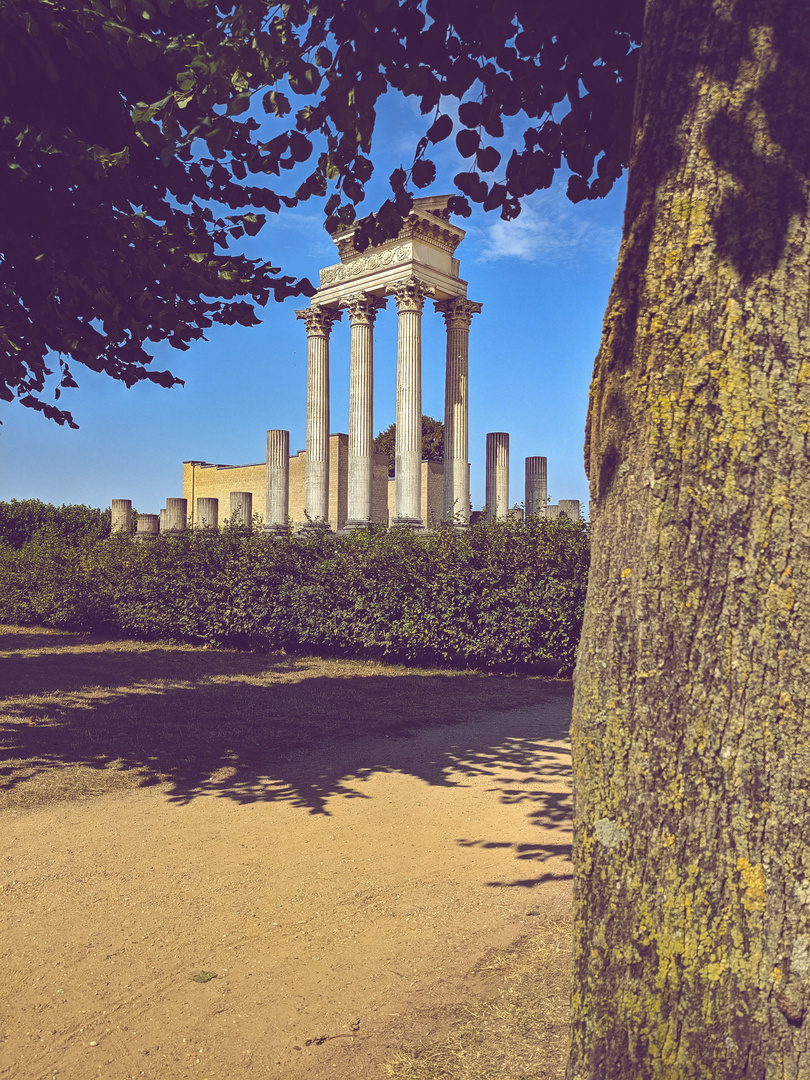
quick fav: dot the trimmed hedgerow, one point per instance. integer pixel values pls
(499, 595)
(22, 519)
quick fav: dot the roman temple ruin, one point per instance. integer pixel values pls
(338, 481)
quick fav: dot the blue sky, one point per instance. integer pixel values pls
(543, 279)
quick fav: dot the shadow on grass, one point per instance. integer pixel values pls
(81, 717)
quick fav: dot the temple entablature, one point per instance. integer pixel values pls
(424, 248)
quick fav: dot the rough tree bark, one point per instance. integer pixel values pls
(691, 730)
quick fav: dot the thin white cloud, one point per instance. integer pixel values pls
(549, 229)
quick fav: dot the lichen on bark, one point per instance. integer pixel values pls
(690, 727)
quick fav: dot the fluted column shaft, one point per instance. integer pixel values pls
(362, 313)
(121, 517)
(458, 313)
(148, 526)
(318, 322)
(207, 514)
(536, 486)
(241, 508)
(497, 474)
(410, 299)
(176, 515)
(278, 481)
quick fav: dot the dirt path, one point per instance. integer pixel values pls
(355, 914)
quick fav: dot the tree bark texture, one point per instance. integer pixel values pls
(691, 734)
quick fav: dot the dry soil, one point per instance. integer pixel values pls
(305, 915)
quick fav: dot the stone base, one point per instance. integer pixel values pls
(315, 528)
(414, 524)
(352, 526)
(276, 530)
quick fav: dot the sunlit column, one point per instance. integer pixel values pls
(410, 299)
(536, 486)
(278, 481)
(318, 321)
(362, 313)
(458, 313)
(497, 474)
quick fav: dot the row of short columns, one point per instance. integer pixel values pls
(536, 484)
(409, 296)
(173, 519)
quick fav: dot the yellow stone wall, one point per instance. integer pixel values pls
(208, 481)
(204, 481)
(432, 505)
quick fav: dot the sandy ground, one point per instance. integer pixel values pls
(338, 926)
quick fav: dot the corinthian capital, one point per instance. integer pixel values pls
(318, 320)
(363, 308)
(458, 312)
(410, 294)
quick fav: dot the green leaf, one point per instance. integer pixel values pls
(467, 142)
(487, 159)
(423, 173)
(440, 129)
(218, 139)
(276, 103)
(304, 79)
(472, 185)
(300, 146)
(471, 114)
(238, 105)
(253, 223)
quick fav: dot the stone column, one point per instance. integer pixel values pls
(536, 486)
(552, 511)
(207, 518)
(569, 508)
(148, 526)
(121, 517)
(278, 482)
(497, 475)
(241, 509)
(164, 520)
(410, 299)
(362, 313)
(458, 313)
(318, 321)
(176, 515)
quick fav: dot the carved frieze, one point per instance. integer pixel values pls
(364, 264)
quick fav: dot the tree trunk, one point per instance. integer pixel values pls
(691, 732)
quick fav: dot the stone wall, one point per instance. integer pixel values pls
(432, 506)
(204, 480)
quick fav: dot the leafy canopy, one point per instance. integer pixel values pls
(141, 141)
(432, 442)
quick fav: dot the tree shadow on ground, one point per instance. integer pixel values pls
(81, 717)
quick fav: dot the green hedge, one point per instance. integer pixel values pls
(22, 519)
(499, 595)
